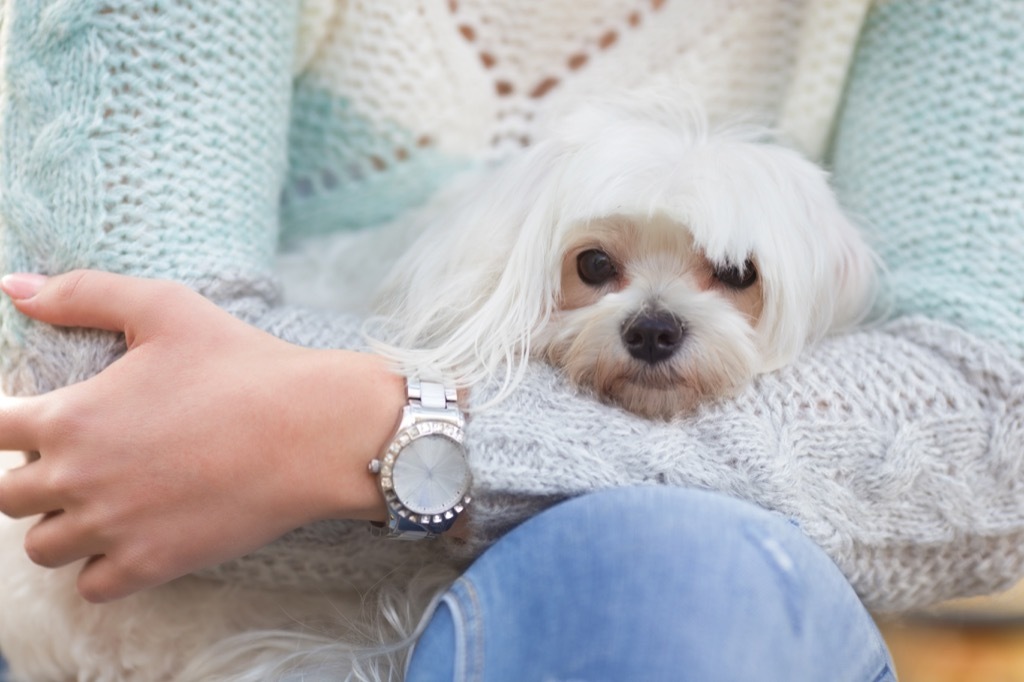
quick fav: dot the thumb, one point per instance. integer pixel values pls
(80, 298)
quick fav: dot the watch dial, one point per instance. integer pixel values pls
(431, 475)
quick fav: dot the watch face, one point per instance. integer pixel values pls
(431, 475)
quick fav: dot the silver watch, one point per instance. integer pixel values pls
(423, 473)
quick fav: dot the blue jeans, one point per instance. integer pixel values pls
(652, 584)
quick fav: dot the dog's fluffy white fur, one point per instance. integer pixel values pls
(677, 210)
(193, 629)
(497, 278)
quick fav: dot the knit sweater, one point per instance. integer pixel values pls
(190, 140)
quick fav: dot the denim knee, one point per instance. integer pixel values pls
(656, 583)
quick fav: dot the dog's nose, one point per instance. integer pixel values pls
(653, 338)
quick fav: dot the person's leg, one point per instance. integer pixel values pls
(652, 584)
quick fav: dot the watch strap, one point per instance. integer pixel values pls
(431, 395)
(403, 529)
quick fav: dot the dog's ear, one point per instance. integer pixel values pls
(471, 292)
(858, 268)
(820, 276)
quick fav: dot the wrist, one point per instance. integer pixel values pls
(348, 406)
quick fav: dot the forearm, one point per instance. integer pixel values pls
(927, 155)
(328, 389)
(893, 449)
(334, 391)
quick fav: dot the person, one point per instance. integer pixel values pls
(877, 445)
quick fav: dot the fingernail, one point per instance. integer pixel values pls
(22, 285)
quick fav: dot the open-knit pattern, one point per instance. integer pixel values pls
(392, 98)
(158, 139)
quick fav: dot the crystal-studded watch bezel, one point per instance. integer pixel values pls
(403, 439)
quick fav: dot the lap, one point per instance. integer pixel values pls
(652, 583)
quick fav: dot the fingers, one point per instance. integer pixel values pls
(106, 578)
(25, 492)
(57, 540)
(99, 581)
(85, 298)
(19, 430)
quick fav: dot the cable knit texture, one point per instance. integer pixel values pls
(142, 139)
(159, 139)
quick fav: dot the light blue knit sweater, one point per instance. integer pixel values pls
(160, 143)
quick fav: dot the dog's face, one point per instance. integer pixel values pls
(647, 321)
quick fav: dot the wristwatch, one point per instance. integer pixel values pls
(423, 473)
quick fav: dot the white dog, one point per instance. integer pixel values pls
(659, 264)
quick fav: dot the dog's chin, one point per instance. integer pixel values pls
(652, 401)
(658, 392)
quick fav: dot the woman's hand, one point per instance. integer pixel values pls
(207, 439)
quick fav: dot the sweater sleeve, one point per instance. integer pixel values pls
(145, 139)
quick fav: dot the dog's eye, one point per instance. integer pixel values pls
(595, 267)
(736, 277)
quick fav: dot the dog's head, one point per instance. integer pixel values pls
(657, 263)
